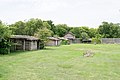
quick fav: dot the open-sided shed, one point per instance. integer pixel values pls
(24, 42)
(53, 41)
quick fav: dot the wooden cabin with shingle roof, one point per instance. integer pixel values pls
(24, 42)
(70, 36)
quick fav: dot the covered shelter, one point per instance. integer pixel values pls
(24, 42)
(86, 40)
(53, 41)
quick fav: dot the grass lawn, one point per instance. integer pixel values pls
(63, 63)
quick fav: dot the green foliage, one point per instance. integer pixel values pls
(46, 25)
(43, 34)
(97, 39)
(33, 25)
(92, 32)
(4, 31)
(42, 44)
(84, 36)
(18, 28)
(109, 30)
(76, 31)
(53, 27)
(61, 29)
(56, 36)
(4, 50)
(4, 46)
(29, 27)
(4, 35)
(65, 42)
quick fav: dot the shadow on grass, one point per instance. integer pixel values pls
(65, 65)
(25, 52)
(0, 75)
(48, 48)
(15, 53)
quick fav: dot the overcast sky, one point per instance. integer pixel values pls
(71, 12)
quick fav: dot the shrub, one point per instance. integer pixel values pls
(97, 39)
(65, 42)
(4, 50)
(4, 46)
(42, 44)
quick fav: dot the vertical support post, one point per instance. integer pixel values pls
(15, 41)
(56, 43)
(31, 45)
(23, 45)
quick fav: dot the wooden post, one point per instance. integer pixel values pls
(15, 45)
(24, 45)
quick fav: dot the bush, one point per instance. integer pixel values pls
(96, 41)
(42, 44)
(4, 50)
(65, 42)
(4, 46)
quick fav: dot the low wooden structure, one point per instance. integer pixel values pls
(53, 41)
(77, 40)
(70, 36)
(87, 41)
(24, 42)
(110, 40)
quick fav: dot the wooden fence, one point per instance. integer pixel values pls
(110, 40)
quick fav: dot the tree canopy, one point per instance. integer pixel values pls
(4, 36)
(109, 30)
(4, 31)
(33, 26)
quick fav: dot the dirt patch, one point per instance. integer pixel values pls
(88, 53)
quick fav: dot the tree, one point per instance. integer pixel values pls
(53, 27)
(45, 24)
(29, 27)
(92, 32)
(4, 31)
(43, 34)
(18, 28)
(79, 30)
(97, 39)
(4, 38)
(33, 25)
(118, 30)
(76, 32)
(61, 29)
(109, 30)
(84, 36)
(115, 31)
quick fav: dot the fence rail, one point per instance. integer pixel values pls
(110, 40)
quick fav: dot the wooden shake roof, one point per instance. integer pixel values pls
(24, 37)
(70, 33)
(53, 38)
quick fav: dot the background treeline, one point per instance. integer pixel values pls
(39, 27)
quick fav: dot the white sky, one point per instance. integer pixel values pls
(71, 12)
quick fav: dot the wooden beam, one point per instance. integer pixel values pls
(24, 45)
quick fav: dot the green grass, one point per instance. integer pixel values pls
(63, 63)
